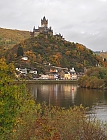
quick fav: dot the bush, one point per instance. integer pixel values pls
(55, 123)
(95, 78)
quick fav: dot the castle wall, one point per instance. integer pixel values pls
(36, 34)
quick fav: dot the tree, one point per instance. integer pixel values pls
(14, 101)
(20, 51)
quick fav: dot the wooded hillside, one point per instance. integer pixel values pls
(45, 50)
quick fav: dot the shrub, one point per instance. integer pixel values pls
(95, 78)
(55, 123)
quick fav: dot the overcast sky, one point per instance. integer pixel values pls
(81, 21)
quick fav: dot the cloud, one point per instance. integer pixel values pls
(79, 21)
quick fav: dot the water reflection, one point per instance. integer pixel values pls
(65, 95)
(55, 94)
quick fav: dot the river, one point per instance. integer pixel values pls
(68, 95)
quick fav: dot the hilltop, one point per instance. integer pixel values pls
(49, 49)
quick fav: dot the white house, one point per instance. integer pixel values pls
(33, 71)
(22, 71)
(25, 58)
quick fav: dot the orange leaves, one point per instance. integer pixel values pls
(80, 47)
(56, 59)
(31, 55)
(68, 52)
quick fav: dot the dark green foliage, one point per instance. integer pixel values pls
(20, 51)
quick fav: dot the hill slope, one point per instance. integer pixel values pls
(9, 37)
(45, 50)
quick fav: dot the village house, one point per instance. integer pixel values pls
(67, 75)
(33, 71)
(24, 58)
(22, 71)
(51, 72)
(73, 74)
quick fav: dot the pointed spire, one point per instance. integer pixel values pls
(44, 18)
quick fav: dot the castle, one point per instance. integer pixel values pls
(45, 30)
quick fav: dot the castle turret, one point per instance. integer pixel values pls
(44, 22)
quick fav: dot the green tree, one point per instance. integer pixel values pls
(20, 51)
(14, 101)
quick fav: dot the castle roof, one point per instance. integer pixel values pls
(44, 18)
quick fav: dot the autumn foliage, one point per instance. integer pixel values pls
(55, 123)
(95, 78)
(56, 52)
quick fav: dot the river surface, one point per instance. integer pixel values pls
(68, 95)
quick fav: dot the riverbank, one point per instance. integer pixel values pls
(46, 81)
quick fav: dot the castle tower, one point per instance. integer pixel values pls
(44, 22)
(43, 29)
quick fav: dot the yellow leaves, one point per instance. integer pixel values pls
(6, 70)
(85, 62)
(80, 47)
(11, 67)
(3, 65)
(68, 52)
(56, 58)
(14, 130)
(31, 55)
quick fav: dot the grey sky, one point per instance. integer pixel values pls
(81, 21)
